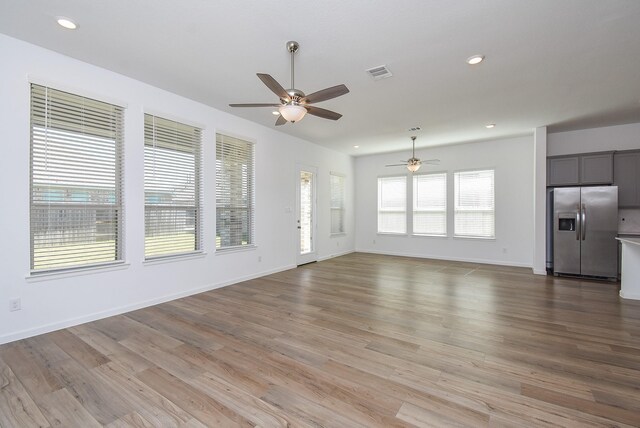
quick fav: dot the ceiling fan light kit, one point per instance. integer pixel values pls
(292, 112)
(413, 166)
(294, 104)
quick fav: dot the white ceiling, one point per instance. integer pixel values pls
(567, 64)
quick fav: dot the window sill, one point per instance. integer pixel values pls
(230, 250)
(337, 235)
(175, 258)
(424, 235)
(477, 238)
(90, 270)
(391, 234)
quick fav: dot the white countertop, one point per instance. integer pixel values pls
(635, 241)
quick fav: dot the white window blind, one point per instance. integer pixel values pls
(337, 203)
(76, 181)
(430, 204)
(234, 192)
(474, 204)
(392, 204)
(172, 183)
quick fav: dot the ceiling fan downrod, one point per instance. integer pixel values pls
(292, 47)
(413, 150)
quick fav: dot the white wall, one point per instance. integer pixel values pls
(513, 162)
(620, 137)
(540, 199)
(56, 302)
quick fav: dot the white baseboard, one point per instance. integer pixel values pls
(331, 256)
(47, 328)
(453, 259)
(539, 272)
(630, 296)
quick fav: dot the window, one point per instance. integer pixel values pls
(172, 156)
(234, 192)
(76, 181)
(474, 204)
(392, 204)
(337, 203)
(430, 204)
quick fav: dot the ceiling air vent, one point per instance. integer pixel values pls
(380, 72)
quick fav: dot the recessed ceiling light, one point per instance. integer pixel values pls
(67, 23)
(275, 113)
(491, 125)
(476, 59)
(356, 147)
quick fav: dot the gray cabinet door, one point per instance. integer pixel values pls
(564, 171)
(627, 178)
(596, 168)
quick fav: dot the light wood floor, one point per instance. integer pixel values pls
(360, 340)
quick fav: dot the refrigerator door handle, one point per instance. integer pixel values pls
(578, 228)
(583, 225)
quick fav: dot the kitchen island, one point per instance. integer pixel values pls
(630, 274)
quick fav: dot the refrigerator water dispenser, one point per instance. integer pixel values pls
(567, 224)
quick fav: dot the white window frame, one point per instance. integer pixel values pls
(61, 137)
(183, 193)
(417, 211)
(382, 211)
(489, 209)
(222, 140)
(340, 208)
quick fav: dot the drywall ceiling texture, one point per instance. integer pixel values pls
(567, 64)
(58, 302)
(512, 160)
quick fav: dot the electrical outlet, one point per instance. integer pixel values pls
(15, 305)
(374, 241)
(259, 258)
(504, 251)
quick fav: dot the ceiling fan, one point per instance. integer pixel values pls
(294, 104)
(413, 163)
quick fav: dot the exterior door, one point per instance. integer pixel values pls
(306, 214)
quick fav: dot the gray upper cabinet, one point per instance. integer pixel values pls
(627, 178)
(596, 168)
(583, 169)
(563, 171)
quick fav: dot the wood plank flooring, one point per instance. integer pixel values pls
(360, 340)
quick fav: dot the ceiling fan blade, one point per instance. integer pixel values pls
(255, 105)
(398, 164)
(323, 113)
(272, 84)
(431, 161)
(326, 94)
(281, 120)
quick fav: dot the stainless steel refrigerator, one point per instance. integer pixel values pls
(585, 224)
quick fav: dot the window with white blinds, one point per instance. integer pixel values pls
(392, 204)
(234, 192)
(337, 203)
(430, 204)
(474, 204)
(76, 181)
(172, 183)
